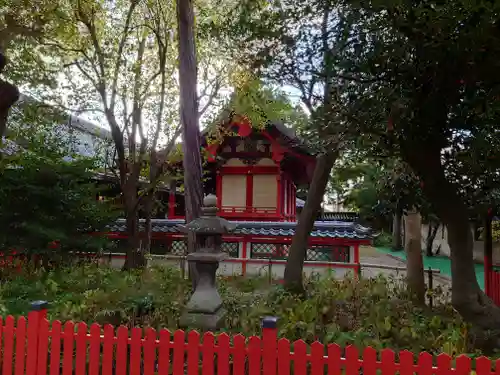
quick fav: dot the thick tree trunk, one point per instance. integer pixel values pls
(431, 236)
(135, 256)
(9, 94)
(397, 240)
(414, 262)
(467, 298)
(297, 253)
(193, 184)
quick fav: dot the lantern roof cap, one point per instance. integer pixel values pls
(208, 223)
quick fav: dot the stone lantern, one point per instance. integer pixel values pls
(204, 308)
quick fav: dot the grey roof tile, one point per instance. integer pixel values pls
(324, 229)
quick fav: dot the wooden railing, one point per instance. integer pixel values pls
(249, 210)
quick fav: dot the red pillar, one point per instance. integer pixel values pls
(218, 190)
(356, 253)
(488, 257)
(286, 206)
(171, 198)
(288, 195)
(357, 272)
(244, 256)
(279, 186)
(249, 200)
(171, 203)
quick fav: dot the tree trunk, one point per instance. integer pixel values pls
(193, 184)
(9, 94)
(297, 253)
(414, 262)
(431, 236)
(135, 256)
(397, 240)
(467, 298)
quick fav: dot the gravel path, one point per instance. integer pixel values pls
(369, 255)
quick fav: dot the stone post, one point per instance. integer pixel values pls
(203, 311)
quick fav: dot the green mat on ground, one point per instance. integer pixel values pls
(441, 263)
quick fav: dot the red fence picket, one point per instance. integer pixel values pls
(33, 346)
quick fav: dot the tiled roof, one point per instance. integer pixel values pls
(331, 229)
(339, 216)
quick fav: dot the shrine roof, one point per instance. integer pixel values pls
(324, 229)
(287, 134)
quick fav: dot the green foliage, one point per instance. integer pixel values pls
(495, 231)
(24, 27)
(298, 45)
(373, 312)
(261, 104)
(384, 239)
(377, 187)
(375, 60)
(101, 294)
(44, 198)
(453, 120)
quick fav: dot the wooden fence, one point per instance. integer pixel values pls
(33, 346)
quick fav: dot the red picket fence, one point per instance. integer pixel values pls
(33, 346)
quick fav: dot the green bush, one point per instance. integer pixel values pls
(48, 207)
(495, 231)
(375, 312)
(384, 239)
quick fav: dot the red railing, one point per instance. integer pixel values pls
(36, 347)
(493, 285)
(249, 210)
(251, 213)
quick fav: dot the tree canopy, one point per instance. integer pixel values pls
(48, 198)
(415, 79)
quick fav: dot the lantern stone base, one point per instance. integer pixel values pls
(204, 311)
(203, 321)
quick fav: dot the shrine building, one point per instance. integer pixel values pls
(254, 174)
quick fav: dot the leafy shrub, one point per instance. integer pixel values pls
(371, 312)
(495, 231)
(48, 206)
(384, 239)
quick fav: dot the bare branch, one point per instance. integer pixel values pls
(90, 25)
(13, 28)
(136, 106)
(87, 75)
(147, 85)
(306, 93)
(158, 171)
(118, 62)
(213, 93)
(159, 117)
